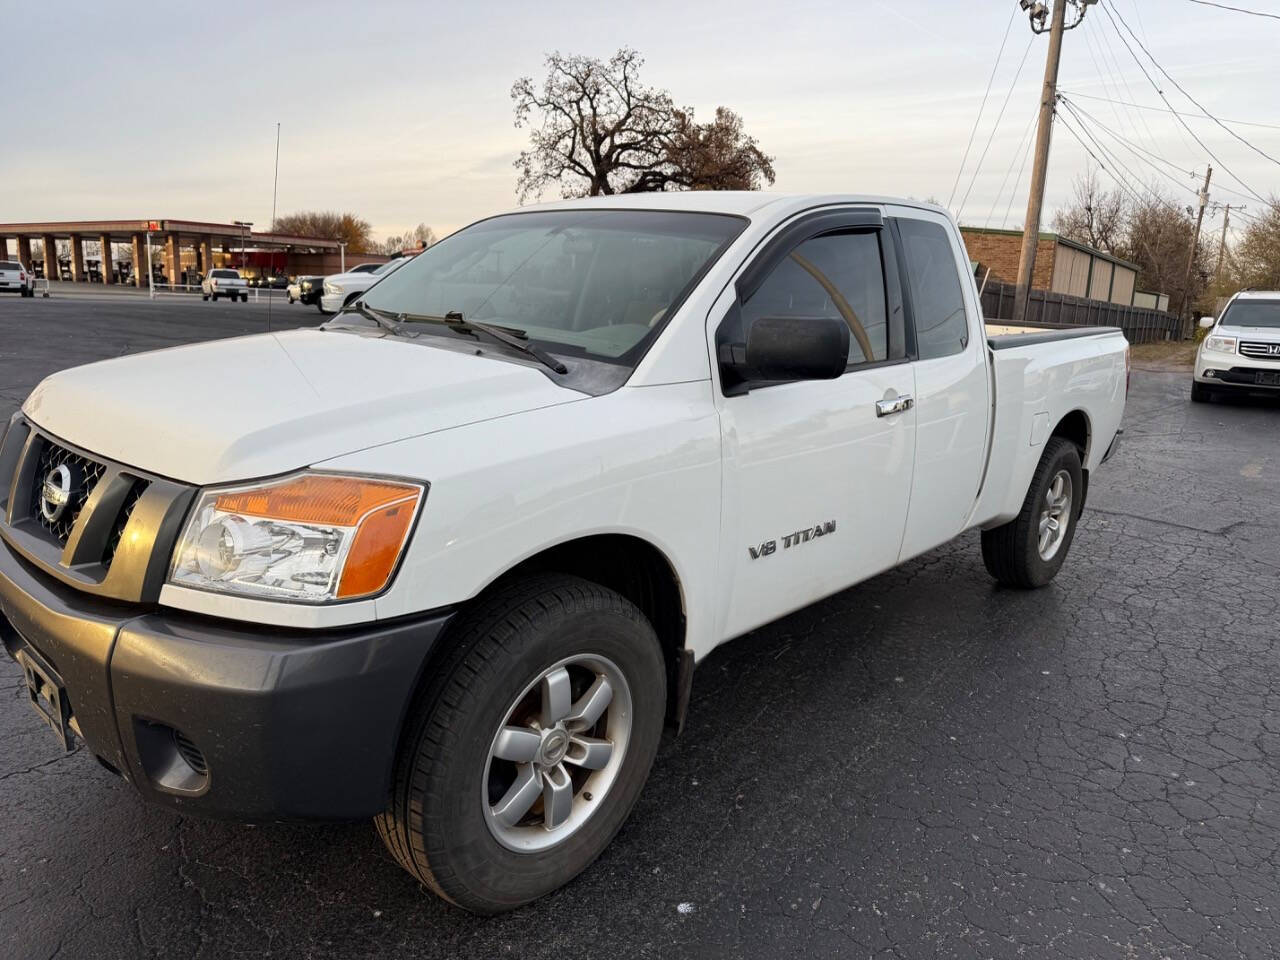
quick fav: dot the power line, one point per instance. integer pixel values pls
(1117, 163)
(1146, 156)
(1106, 8)
(982, 106)
(1182, 90)
(1189, 116)
(1223, 6)
(999, 117)
(1013, 159)
(1118, 78)
(1013, 195)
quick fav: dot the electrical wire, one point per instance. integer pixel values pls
(1106, 8)
(1000, 116)
(1017, 183)
(982, 106)
(1146, 156)
(1013, 159)
(1117, 164)
(1189, 116)
(1223, 6)
(1182, 90)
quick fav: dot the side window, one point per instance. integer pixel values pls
(937, 300)
(840, 276)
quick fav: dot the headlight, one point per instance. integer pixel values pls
(313, 538)
(305, 285)
(331, 289)
(1220, 344)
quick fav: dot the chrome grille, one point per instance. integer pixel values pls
(1260, 350)
(85, 474)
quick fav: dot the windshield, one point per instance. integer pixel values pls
(366, 268)
(1253, 313)
(590, 283)
(389, 266)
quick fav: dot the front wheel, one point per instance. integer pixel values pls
(1028, 551)
(529, 744)
(1200, 393)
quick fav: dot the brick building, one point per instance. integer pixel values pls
(1062, 265)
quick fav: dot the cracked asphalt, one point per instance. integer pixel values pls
(924, 765)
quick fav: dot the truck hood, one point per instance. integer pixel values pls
(255, 406)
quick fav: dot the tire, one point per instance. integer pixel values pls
(244, 298)
(204, 296)
(213, 297)
(1200, 393)
(291, 301)
(1012, 552)
(440, 824)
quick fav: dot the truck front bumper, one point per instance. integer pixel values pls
(217, 718)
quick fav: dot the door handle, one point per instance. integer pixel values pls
(898, 404)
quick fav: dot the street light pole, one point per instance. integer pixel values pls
(243, 225)
(342, 256)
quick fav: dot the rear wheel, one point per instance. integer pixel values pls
(1200, 393)
(529, 744)
(1029, 550)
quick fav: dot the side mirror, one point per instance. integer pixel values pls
(1206, 323)
(780, 349)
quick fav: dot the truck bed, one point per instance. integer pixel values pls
(1002, 336)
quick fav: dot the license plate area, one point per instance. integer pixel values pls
(47, 695)
(1267, 378)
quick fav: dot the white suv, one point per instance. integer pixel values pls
(1242, 349)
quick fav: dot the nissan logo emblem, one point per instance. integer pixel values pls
(55, 492)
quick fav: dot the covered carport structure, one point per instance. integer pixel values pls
(173, 236)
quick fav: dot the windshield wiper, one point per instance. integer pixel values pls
(515, 339)
(377, 316)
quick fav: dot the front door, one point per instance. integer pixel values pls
(817, 474)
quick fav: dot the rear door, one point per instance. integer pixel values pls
(817, 474)
(952, 389)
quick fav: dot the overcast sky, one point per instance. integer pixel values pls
(401, 112)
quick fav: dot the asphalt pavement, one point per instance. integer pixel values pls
(924, 765)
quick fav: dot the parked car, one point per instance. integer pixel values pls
(449, 561)
(343, 288)
(302, 287)
(1241, 351)
(16, 278)
(224, 282)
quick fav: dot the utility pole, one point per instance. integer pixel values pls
(1044, 131)
(1195, 243)
(1038, 13)
(1222, 242)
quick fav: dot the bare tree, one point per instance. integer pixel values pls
(1158, 239)
(1095, 217)
(595, 129)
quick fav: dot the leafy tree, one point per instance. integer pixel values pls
(595, 129)
(1256, 258)
(328, 225)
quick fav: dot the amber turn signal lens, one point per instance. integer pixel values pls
(316, 498)
(376, 549)
(380, 511)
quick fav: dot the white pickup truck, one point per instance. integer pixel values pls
(14, 276)
(449, 560)
(223, 282)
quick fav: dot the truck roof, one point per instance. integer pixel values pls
(745, 203)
